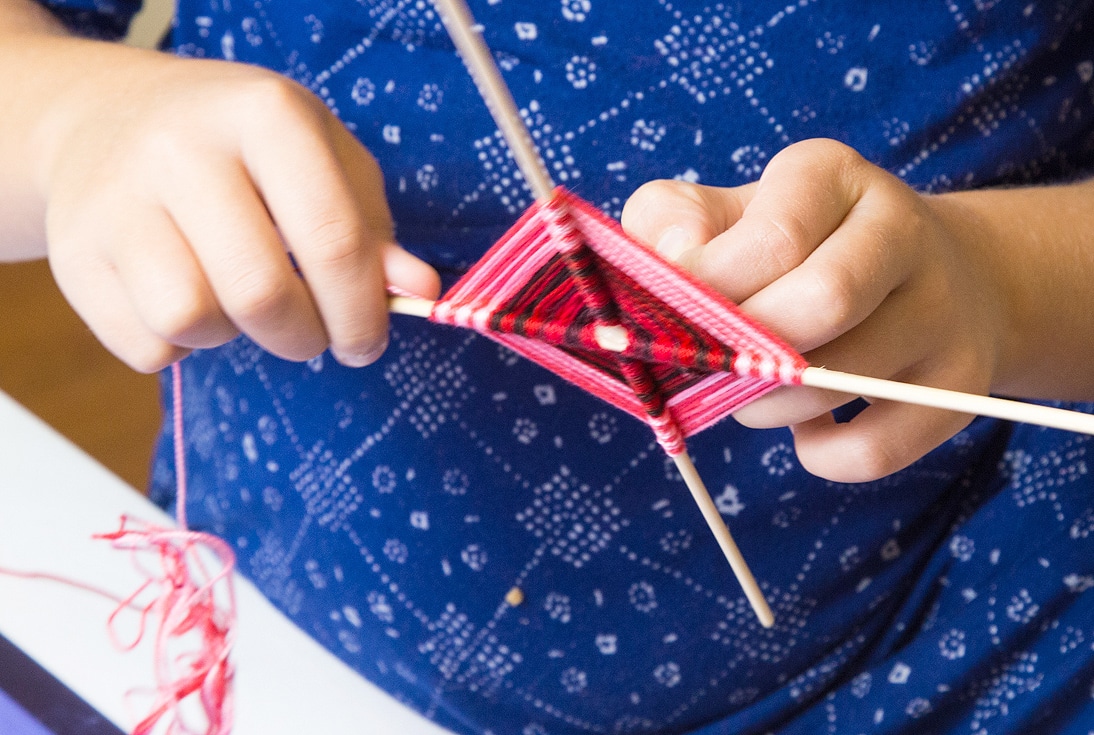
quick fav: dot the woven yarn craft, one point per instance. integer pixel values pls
(565, 271)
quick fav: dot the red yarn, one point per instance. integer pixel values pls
(194, 630)
(565, 269)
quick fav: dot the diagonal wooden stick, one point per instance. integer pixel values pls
(888, 390)
(718, 527)
(611, 340)
(466, 34)
(476, 56)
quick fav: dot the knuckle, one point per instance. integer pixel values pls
(274, 100)
(270, 91)
(821, 150)
(180, 315)
(896, 203)
(334, 240)
(177, 152)
(659, 191)
(840, 153)
(259, 297)
(655, 197)
(786, 241)
(167, 144)
(831, 297)
(821, 160)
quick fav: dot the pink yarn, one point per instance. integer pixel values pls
(194, 630)
(195, 627)
(192, 607)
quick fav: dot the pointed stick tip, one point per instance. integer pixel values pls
(717, 526)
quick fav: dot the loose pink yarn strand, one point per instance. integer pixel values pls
(180, 445)
(195, 626)
(186, 607)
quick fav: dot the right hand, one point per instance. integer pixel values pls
(175, 191)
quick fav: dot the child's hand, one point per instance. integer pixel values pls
(856, 271)
(175, 190)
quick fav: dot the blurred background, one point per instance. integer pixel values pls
(52, 364)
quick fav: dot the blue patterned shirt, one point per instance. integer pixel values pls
(389, 510)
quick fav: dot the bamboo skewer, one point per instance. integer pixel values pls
(950, 400)
(410, 306)
(718, 527)
(888, 390)
(466, 36)
(613, 341)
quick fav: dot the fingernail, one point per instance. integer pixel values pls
(675, 242)
(360, 359)
(394, 290)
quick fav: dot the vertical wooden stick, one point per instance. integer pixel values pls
(725, 539)
(466, 36)
(476, 56)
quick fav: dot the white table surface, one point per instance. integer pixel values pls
(53, 497)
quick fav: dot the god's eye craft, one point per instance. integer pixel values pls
(566, 288)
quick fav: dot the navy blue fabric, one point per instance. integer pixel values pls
(389, 510)
(101, 19)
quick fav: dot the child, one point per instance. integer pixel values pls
(389, 509)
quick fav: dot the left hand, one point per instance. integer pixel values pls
(856, 271)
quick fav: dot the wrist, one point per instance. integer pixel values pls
(88, 82)
(973, 242)
(26, 88)
(1033, 251)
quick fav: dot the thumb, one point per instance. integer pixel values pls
(409, 273)
(676, 217)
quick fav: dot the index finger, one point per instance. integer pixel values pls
(326, 197)
(675, 216)
(801, 198)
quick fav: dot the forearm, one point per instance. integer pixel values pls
(1037, 246)
(44, 74)
(22, 26)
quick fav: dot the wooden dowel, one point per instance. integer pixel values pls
(410, 306)
(476, 56)
(889, 390)
(725, 540)
(976, 405)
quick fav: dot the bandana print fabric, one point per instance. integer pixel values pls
(389, 510)
(524, 295)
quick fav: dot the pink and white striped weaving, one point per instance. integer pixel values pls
(565, 271)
